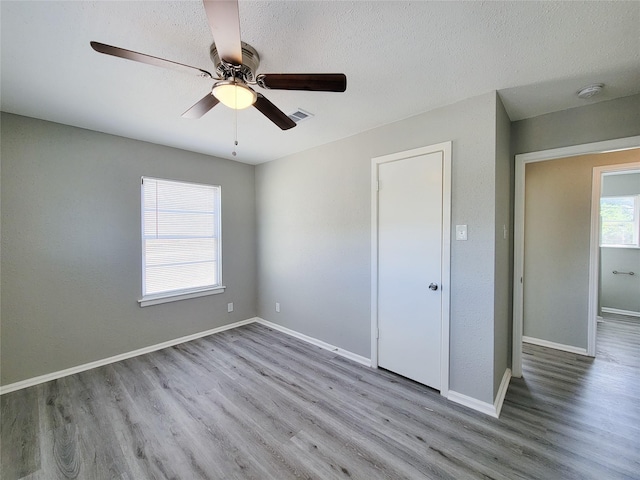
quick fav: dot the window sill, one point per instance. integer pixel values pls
(633, 247)
(174, 297)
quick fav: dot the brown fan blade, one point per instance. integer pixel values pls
(224, 20)
(148, 59)
(273, 113)
(315, 82)
(205, 104)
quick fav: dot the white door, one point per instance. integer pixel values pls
(410, 243)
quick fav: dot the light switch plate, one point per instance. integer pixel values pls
(461, 232)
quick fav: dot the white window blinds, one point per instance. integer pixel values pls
(180, 237)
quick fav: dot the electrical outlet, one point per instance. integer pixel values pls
(230, 307)
(277, 307)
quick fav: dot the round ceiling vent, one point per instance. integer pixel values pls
(590, 90)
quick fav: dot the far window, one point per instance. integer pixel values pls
(180, 238)
(619, 220)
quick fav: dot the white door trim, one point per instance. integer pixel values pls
(445, 148)
(519, 221)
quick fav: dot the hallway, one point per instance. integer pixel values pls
(586, 409)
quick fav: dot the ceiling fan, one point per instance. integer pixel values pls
(236, 63)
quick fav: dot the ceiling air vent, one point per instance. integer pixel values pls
(300, 115)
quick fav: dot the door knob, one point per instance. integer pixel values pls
(433, 286)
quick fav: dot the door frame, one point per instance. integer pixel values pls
(445, 149)
(594, 253)
(519, 222)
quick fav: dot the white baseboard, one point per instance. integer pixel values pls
(557, 346)
(487, 408)
(12, 387)
(318, 343)
(502, 391)
(617, 311)
(473, 403)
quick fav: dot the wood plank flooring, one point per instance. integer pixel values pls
(253, 403)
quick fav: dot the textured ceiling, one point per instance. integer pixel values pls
(400, 58)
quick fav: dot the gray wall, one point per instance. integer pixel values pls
(314, 236)
(621, 292)
(503, 298)
(601, 121)
(557, 235)
(71, 247)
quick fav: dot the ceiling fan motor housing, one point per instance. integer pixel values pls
(250, 63)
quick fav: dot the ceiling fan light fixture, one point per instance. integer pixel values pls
(234, 94)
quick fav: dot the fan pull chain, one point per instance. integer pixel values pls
(235, 136)
(235, 126)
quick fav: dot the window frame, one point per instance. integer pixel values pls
(635, 222)
(186, 293)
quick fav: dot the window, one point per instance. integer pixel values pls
(619, 220)
(180, 240)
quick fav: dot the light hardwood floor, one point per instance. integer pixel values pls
(252, 403)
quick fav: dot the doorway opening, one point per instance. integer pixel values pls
(618, 225)
(589, 318)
